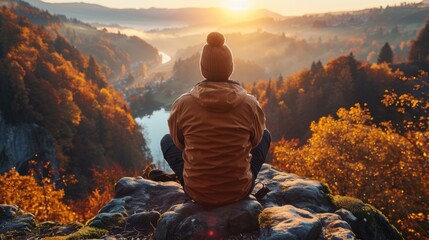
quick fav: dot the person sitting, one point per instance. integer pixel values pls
(218, 140)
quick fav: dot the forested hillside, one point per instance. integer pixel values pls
(47, 82)
(116, 53)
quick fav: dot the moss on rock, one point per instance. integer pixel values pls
(83, 233)
(265, 219)
(107, 221)
(376, 224)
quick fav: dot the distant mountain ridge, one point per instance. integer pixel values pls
(182, 16)
(152, 18)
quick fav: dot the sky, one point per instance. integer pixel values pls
(284, 7)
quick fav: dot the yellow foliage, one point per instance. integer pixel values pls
(42, 199)
(105, 97)
(376, 164)
(45, 201)
(71, 110)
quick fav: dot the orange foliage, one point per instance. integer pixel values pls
(46, 81)
(42, 198)
(105, 188)
(374, 163)
(46, 201)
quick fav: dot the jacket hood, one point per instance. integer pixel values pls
(218, 96)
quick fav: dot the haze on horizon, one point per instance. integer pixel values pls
(286, 8)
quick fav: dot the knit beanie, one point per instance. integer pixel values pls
(216, 59)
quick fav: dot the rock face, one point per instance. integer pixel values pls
(295, 208)
(20, 143)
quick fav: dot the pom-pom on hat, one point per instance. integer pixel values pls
(216, 59)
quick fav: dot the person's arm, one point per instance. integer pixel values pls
(258, 125)
(174, 126)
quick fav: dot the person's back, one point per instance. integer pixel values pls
(216, 125)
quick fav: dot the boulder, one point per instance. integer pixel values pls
(290, 189)
(136, 194)
(114, 222)
(368, 222)
(48, 229)
(191, 220)
(137, 205)
(143, 222)
(14, 219)
(289, 222)
(334, 227)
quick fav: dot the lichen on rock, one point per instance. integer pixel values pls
(289, 222)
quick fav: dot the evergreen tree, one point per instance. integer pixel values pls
(279, 81)
(93, 72)
(352, 65)
(316, 67)
(394, 33)
(313, 67)
(268, 91)
(419, 51)
(319, 65)
(70, 53)
(386, 54)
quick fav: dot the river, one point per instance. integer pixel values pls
(154, 127)
(165, 58)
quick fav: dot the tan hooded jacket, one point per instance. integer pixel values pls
(216, 125)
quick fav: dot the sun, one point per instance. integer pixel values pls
(237, 5)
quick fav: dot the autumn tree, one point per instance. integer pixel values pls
(69, 52)
(359, 158)
(15, 103)
(312, 93)
(105, 181)
(419, 51)
(42, 198)
(93, 73)
(386, 54)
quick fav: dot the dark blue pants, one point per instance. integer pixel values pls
(173, 155)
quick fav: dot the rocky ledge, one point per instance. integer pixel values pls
(295, 208)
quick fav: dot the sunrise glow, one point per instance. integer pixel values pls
(237, 5)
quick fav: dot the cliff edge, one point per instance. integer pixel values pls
(295, 208)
